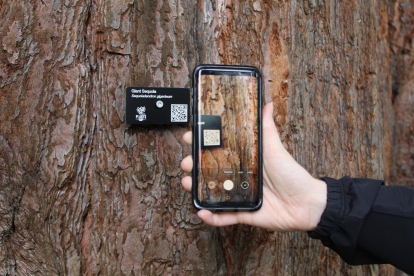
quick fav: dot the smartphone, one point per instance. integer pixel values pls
(227, 138)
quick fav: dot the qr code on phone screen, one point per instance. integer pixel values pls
(179, 112)
(211, 137)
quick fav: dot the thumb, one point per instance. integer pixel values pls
(271, 140)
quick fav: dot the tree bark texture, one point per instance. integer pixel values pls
(402, 70)
(82, 192)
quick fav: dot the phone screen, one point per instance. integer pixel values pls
(227, 117)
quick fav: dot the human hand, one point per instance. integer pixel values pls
(292, 198)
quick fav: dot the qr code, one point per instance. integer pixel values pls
(211, 137)
(179, 112)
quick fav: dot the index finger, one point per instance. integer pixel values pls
(187, 137)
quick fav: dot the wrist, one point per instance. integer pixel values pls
(318, 202)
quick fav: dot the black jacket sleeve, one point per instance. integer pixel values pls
(366, 222)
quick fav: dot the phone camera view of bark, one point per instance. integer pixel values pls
(228, 139)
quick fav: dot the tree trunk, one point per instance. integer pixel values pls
(82, 192)
(402, 71)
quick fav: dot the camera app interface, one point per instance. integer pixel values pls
(228, 138)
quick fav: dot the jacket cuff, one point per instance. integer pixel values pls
(348, 204)
(333, 213)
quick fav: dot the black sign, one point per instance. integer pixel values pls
(155, 105)
(210, 131)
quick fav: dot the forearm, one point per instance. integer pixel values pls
(366, 222)
(389, 227)
(348, 203)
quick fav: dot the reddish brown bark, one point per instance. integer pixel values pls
(81, 192)
(402, 51)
